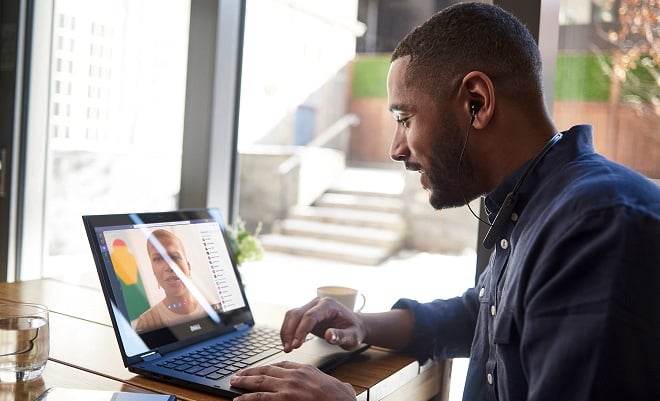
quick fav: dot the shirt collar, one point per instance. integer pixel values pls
(576, 141)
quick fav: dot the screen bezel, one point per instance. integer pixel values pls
(169, 338)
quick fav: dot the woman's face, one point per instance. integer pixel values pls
(165, 275)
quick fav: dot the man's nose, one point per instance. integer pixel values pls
(399, 151)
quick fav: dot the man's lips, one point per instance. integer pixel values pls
(418, 168)
(423, 179)
(414, 167)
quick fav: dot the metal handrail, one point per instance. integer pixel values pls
(345, 121)
(330, 133)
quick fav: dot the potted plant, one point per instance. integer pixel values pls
(245, 245)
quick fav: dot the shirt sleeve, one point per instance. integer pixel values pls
(592, 311)
(443, 328)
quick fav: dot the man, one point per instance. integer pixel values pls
(166, 250)
(568, 308)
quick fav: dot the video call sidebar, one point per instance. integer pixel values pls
(220, 267)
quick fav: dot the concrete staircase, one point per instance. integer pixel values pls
(356, 221)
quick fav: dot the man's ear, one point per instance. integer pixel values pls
(478, 93)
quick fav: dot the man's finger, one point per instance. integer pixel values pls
(321, 312)
(254, 382)
(341, 338)
(274, 370)
(288, 365)
(291, 322)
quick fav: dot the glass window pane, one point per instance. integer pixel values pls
(319, 71)
(117, 93)
(314, 136)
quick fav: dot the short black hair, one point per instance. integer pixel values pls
(472, 37)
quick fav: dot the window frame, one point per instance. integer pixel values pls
(209, 155)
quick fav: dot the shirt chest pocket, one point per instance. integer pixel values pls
(505, 330)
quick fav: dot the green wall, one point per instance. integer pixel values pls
(370, 76)
(580, 77)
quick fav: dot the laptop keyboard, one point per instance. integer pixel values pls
(226, 357)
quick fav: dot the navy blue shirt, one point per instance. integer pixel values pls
(569, 305)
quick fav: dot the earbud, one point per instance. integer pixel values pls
(474, 107)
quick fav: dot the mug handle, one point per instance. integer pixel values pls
(364, 301)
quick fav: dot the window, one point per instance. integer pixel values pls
(114, 143)
(301, 98)
(607, 75)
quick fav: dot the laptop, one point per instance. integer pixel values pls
(179, 310)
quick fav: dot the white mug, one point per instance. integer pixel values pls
(344, 295)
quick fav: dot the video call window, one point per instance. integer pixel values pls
(172, 274)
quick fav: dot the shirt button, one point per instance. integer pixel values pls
(493, 310)
(489, 377)
(504, 243)
(482, 291)
(514, 216)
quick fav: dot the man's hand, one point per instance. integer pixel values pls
(290, 381)
(325, 318)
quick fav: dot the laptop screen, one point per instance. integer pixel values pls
(169, 278)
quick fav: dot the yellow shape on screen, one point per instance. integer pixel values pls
(124, 262)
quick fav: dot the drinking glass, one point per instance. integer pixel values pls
(24, 341)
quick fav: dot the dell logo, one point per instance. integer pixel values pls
(195, 327)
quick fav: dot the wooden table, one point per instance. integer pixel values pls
(84, 354)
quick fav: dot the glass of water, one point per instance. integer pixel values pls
(24, 342)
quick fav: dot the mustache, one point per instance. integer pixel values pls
(413, 166)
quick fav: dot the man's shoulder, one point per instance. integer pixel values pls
(597, 183)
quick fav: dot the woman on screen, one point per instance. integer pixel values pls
(166, 253)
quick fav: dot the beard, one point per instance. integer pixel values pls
(449, 183)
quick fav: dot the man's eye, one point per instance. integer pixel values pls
(405, 122)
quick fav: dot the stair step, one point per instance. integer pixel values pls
(383, 182)
(387, 238)
(349, 216)
(360, 201)
(364, 191)
(325, 249)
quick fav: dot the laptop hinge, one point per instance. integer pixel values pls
(241, 327)
(150, 356)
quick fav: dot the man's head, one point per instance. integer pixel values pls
(471, 37)
(161, 246)
(455, 65)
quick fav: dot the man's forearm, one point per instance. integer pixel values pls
(392, 329)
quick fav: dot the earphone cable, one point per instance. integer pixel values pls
(460, 160)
